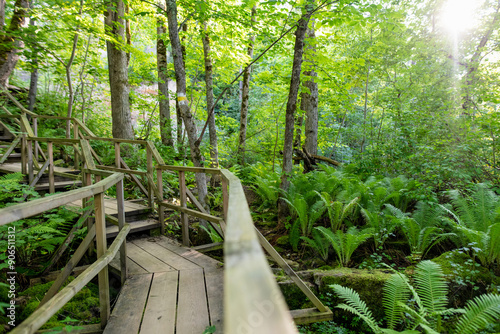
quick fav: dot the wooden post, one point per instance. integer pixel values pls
(23, 154)
(150, 173)
(225, 198)
(51, 167)
(76, 157)
(161, 210)
(184, 217)
(100, 235)
(35, 131)
(30, 160)
(120, 201)
(88, 182)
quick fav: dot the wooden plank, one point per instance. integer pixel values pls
(121, 170)
(209, 247)
(159, 316)
(101, 246)
(134, 178)
(132, 267)
(189, 254)
(51, 167)
(165, 255)
(156, 154)
(310, 315)
(87, 156)
(191, 212)
(148, 262)
(84, 127)
(192, 310)
(29, 151)
(60, 141)
(38, 176)
(127, 314)
(289, 271)
(117, 140)
(10, 149)
(252, 298)
(137, 226)
(184, 217)
(149, 166)
(189, 169)
(214, 280)
(161, 211)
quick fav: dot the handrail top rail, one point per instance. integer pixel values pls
(62, 141)
(193, 169)
(117, 140)
(27, 209)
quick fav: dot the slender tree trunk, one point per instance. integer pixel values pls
(298, 130)
(34, 74)
(309, 100)
(9, 43)
(161, 54)
(291, 106)
(214, 152)
(473, 64)
(245, 93)
(184, 109)
(118, 72)
(2, 14)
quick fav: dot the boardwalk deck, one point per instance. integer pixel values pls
(170, 289)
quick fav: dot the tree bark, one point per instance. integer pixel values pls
(118, 71)
(245, 93)
(184, 109)
(214, 152)
(291, 106)
(10, 44)
(162, 63)
(2, 14)
(309, 100)
(34, 73)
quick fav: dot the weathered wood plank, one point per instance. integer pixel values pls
(10, 149)
(148, 262)
(192, 310)
(189, 169)
(121, 170)
(155, 153)
(132, 267)
(310, 315)
(214, 280)
(127, 314)
(193, 213)
(117, 140)
(165, 255)
(160, 313)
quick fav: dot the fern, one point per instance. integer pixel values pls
(479, 312)
(355, 305)
(344, 244)
(431, 286)
(319, 243)
(396, 291)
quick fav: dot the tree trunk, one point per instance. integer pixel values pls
(309, 100)
(473, 64)
(9, 43)
(2, 14)
(118, 72)
(245, 92)
(34, 74)
(214, 152)
(184, 109)
(291, 106)
(162, 63)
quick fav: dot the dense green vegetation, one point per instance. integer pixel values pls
(407, 99)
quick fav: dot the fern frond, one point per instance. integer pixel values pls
(479, 312)
(395, 291)
(355, 305)
(431, 286)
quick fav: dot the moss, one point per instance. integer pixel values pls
(83, 306)
(283, 241)
(294, 297)
(368, 283)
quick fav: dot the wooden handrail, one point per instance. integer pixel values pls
(215, 171)
(253, 302)
(44, 313)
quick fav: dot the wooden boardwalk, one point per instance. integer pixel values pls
(170, 289)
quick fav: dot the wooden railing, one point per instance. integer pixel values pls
(104, 255)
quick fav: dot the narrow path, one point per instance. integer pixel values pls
(170, 289)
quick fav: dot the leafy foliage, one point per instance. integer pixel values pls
(344, 243)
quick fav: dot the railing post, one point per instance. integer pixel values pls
(225, 197)
(30, 160)
(120, 201)
(184, 217)
(35, 131)
(50, 152)
(150, 173)
(161, 211)
(75, 136)
(23, 149)
(100, 235)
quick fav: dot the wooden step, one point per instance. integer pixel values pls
(137, 226)
(60, 185)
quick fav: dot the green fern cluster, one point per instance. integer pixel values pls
(421, 306)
